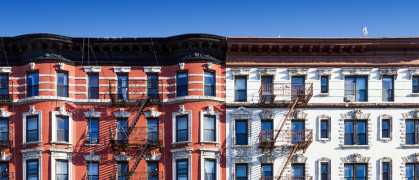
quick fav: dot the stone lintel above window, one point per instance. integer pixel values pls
(324, 72)
(266, 72)
(240, 72)
(119, 69)
(355, 72)
(297, 72)
(92, 69)
(388, 72)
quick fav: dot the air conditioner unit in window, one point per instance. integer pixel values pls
(349, 98)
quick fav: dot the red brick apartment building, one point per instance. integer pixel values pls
(112, 108)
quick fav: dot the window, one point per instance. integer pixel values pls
(267, 126)
(324, 128)
(241, 132)
(122, 128)
(32, 169)
(32, 129)
(4, 87)
(93, 86)
(210, 169)
(415, 84)
(209, 128)
(152, 170)
(385, 128)
(153, 129)
(182, 84)
(181, 128)
(386, 171)
(32, 84)
(4, 131)
(267, 88)
(297, 86)
(355, 172)
(412, 132)
(209, 84)
(4, 170)
(153, 86)
(298, 171)
(324, 171)
(62, 128)
(297, 131)
(61, 170)
(92, 170)
(182, 169)
(388, 86)
(267, 171)
(412, 171)
(355, 133)
(93, 131)
(356, 87)
(62, 84)
(240, 89)
(122, 86)
(123, 170)
(241, 171)
(324, 84)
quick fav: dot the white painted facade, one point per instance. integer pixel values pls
(333, 150)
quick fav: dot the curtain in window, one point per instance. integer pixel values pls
(209, 128)
(62, 170)
(209, 170)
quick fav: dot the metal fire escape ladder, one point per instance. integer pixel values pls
(288, 161)
(138, 115)
(290, 108)
(139, 158)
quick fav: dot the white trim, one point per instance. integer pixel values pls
(61, 112)
(182, 153)
(319, 169)
(209, 112)
(121, 113)
(390, 169)
(297, 72)
(5, 69)
(152, 69)
(152, 113)
(329, 128)
(355, 71)
(92, 113)
(241, 113)
(181, 112)
(390, 128)
(214, 154)
(90, 69)
(32, 112)
(91, 157)
(30, 154)
(4, 113)
(119, 69)
(61, 154)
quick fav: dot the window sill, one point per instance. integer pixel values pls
(87, 144)
(385, 140)
(61, 143)
(324, 140)
(241, 146)
(324, 94)
(356, 146)
(210, 142)
(32, 143)
(410, 145)
(182, 142)
(414, 94)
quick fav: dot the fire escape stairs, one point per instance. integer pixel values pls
(139, 158)
(143, 103)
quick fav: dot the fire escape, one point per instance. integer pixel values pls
(290, 95)
(6, 132)
(135, 138)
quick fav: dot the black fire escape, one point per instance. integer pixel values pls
(6, 132)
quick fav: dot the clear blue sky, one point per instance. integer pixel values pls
(258, 18)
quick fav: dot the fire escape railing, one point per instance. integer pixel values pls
(6, 93)
(122, 92)
(138, 136)
(285, 92)
(287, 178)
(6, 137)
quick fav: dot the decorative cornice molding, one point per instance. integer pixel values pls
(411, 114)
(240, 72)
(385, 159)
(91, 157)
(324, 72)
(241, 113)
(181, 65)
(297, 72)
(152, 113)
(32, 110)
(61, 64)
(324, 116)
(356, 114)
(267, 158)
(182, 110)
(62, 112)
(122, 157)
(323, 159)
(152, 69)
(388, 72)
(32, 65)
(267, 114)
(121, 113)
(209, 65)
(152, 156)
(90, 69)
(385, 116)
(298, 114)
(4, 113)
(266, 72)
(414, 158)
(413, 72)
(355, 158)
(5, 69)
(92, 113)
(298, 158)
(119, 69)
(355, 71)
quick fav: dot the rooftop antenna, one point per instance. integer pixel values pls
(365, 31)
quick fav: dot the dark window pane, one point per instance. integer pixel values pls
(267, 171)
(93, 86)
(32, 84)
(349, 133)
(361, 171)
(324, 84)
(241, 132)
(152, 170)
(415, 85)
(209, 84)
(122, 86)
(241, 172)
(361, 131)
(209, 128)
(182, 129)
(182, 170)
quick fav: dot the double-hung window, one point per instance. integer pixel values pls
(241, 132)
(355, 172)
(415, 84)
(62, 84)
(267, 171)
(388, 88)
(153, 129)
(122, 129)
(385, 128)
(123, 170)
(32, 169)
(324, 128)
(385, 171)
(324, 171)
(93, 86)
(209, 128)
(4, 170)
(32, 84)
(4, 87)
(153, 86)
(324, 84)
(412, 171)
(152, 170)
(182, 128)
(32, 129)
(93, 131)
(182, 84)
(92, 170)
(412, 132)
(182, 169)
(241, 172)
(4, 131)
(209, 84)
(210, 170)
(62, 128)
(356, 87)
(240, 89)
(61, 170)
(122, 86)
(355, 132)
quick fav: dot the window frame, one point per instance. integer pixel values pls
(262, 172)
(178, 87)
(247, 170)
(148, 128)
(88, 141)
(415, 170)
(87, 170)
(237, 90)
(7, 134)
(415, 78)
(125, 173)
(37, 129)
(67, 132)
(149, 174)
(212, 86)
(355, 88)
(327, 128)
(33, 86)
(149, 85)
(213, 130)
(355, 131)
(56, 170)
(246, 134)
(354, 170)
(7, 173)
(66, 87)
(90, 89)
(27, 168)
(121, 95)
(326, 78)
(187, 128)
(388, 128)
(392, 88)
(388, 170)
(416, 128)
(4, 96)
(177, 167)
(215, 168)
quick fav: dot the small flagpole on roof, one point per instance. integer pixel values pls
(365, 31)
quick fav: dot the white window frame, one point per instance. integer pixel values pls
(179, 154)
(319, 129)
(32, 154)
(210, 112)
(241, 113)
(390, 169)
(61, 154)
(319, 171)
(32, 112)
(91, 114)
(356, 115)
(61, 112)
(56, 83)
(181, 112)
(390, 129)
(212, 154)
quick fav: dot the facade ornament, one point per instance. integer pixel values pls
(33, 153)
(388, 72)
(152, 156)
(267, 158)
(118, 69)
(298, 114)
(90, 69)
(385, 159)
(122, 157)
(413, 72)
(209, 65)
(385, 116)
(412, 114)
(61, 110)
(240, 72)
(267, 114)
(182, 110)
(5, 157)
(32, 110)
(299, 158)
(182, 65)
(92, 113)
(241, 113)
(152, 69)
(92, 157)
(61, 64)
(5, 69)
(355, 71)
(355, 158)
(266, 72)
(297, 72)
(152, 113)
(414, 158)
(356, 114)
(211, 110)
(324, 116)
(324, 159)
(121, 113)
(32, 65)
(4, 113)
(324, 72)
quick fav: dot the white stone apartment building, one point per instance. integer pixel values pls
(356, 114)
